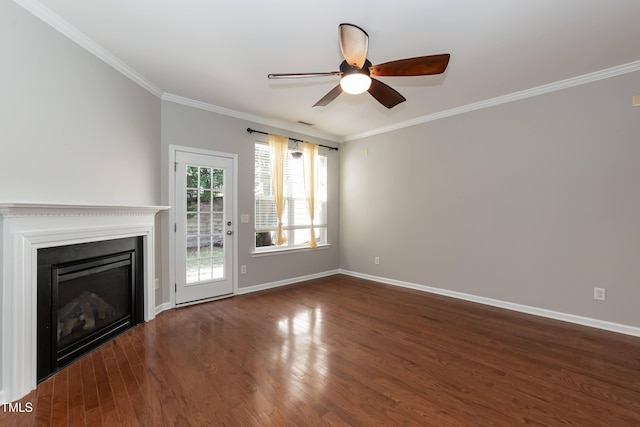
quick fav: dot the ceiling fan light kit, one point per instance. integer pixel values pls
(355, 80)
(355, 84)
(356, 70)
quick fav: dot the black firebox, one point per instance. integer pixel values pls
(87, 294)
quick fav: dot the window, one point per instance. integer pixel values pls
(295, 219)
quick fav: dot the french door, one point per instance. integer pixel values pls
(204, 226)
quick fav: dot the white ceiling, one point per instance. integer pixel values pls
(220, 52)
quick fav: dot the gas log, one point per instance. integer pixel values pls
(83, 311)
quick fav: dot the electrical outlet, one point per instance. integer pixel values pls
(243, 269)
(599, 294)
(376, 260)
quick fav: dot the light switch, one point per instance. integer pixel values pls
(244, 218)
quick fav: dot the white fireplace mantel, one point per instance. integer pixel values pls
(27, 227)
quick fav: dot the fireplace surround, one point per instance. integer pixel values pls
(27, 227)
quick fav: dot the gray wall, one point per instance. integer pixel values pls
(192, 127)
(533, 202)
(75, 130)
(72, 129)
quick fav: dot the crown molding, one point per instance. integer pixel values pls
(40, 11)
(46, 15)
(516, 96)
(177, 99)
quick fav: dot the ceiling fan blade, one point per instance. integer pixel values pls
(333, 94)
(385, 94)
(354, 43)
(420, 66)
(303, 75)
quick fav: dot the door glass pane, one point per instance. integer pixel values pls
(218, 224)
(192, 224)
(192, 200)
(205, 178)
(218, 261)
(206, 269)
(192, 263)
(205, 201)
(192, 177)
(205, 223)
(205, 231)
(218, 203)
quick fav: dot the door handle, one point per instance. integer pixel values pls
(229, 232)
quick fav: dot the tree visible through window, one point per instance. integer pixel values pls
(295, 220)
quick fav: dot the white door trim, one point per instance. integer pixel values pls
(173, 149)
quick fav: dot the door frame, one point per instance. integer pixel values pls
(173, 149)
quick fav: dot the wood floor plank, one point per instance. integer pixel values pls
(105, 394)
(60, 400)
(76, 397)
(89, 387)
(44, 403)
(343, 351)
(126, 413)
(139, 404)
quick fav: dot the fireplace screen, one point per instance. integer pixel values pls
(88, 293)
(91, 296)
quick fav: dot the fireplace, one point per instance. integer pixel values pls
(28, 228)
(87, 294)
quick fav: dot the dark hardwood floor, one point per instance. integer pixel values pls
(342, 351)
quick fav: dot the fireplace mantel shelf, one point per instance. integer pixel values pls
(48, 209)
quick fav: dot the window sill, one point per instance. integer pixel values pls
(266, 252)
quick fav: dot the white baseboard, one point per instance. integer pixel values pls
(271, 285)
(249, 289)
(571, 318)
(162, 307)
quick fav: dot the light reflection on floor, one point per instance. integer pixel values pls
(303, 353)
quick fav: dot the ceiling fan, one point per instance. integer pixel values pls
(356, 70)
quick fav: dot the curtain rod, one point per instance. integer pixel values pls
(292, 139)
